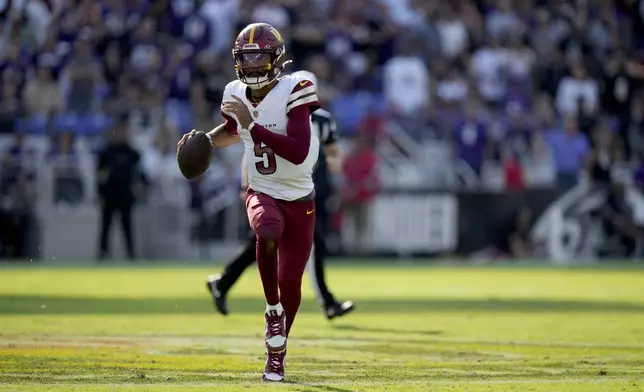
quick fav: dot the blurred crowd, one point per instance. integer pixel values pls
(499, 78)
(552, 87)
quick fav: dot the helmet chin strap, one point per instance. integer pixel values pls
(261, 84)
(256, 86)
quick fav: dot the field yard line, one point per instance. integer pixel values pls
(357, 383)
(140, 340)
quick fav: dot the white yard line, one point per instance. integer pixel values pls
(167, 385)
(148, 340)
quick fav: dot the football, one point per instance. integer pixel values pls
(194, 156)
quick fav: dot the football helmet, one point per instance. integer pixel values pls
(259, 55)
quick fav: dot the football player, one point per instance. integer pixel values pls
(323, 126)
(270, 116)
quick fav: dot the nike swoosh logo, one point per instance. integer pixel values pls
(309, 212)
(302, 84)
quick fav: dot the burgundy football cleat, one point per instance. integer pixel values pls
(275, 334)
(274, 369)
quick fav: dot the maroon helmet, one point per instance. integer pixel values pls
(258, 54)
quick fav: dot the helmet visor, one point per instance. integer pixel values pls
(254, 63)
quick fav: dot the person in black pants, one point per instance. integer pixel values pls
(118, 175)
(330, 161)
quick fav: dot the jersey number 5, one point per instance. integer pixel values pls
(268, 164)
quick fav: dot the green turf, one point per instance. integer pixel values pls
(416, 329)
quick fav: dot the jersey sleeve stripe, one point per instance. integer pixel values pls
(297, 94)
(305, 99)
(311, 94)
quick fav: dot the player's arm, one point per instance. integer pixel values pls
(225, 134)
(333, 154)
(294, 146)
(331, 147)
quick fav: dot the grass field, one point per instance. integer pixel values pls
(416, 329)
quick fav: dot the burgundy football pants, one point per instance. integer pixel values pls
(284, 231)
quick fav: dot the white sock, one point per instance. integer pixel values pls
(278, 308)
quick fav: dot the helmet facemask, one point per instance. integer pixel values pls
(257, 68)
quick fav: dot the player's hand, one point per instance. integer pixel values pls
(184, 138)
(238, 110)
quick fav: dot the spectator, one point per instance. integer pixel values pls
(195, 33)
(208, 72)
(64, 160)
(146, 49)
(488, 69)
(454, 37)
(541, 163)
(406, 81)
(17, 160)
(604, 155)
(540, 37)
(113, 66)
(513, 173)
(17, 215)
(202, 111)
(516, 242)
(550, 71)
(452, 87)
(160, 162)
(483, 76)
(632, 130)
(273, 13)
(578, 94)
(177, 73)
(521, 63)
(307, 39)
(323, 69)
(361, 185)
(470, 139)
(620, 229)
(502, 20)
(10, 109)
(570, 150)
(618, 87)
(520, 133)
(13, 66)
(222, 16)
(52, 55)
(118, 174)
(83, 77)
(43, 96)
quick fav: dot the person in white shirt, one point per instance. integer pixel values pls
(576, 92)
(406, 82)
(487, 67)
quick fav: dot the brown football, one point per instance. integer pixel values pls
(194, 156)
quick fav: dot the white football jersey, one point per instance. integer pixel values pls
(267, 172)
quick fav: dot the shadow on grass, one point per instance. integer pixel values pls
(14, 304)
(317, 388)
(321, 388)
(356, 328)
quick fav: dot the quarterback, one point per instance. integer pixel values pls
(269, 114)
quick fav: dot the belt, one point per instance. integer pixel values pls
(309, 197)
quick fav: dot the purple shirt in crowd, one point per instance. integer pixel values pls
(568, 150)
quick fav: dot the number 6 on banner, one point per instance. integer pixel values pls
(268, 164)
